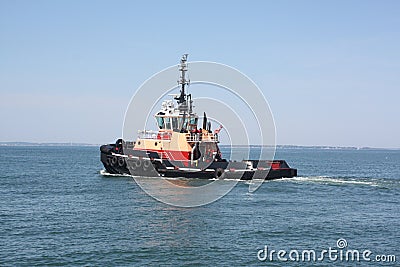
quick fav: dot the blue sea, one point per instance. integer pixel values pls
(56, 209)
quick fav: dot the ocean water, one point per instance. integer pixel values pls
(56, 209)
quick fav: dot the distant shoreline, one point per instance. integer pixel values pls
(71, 144)
(44, 144)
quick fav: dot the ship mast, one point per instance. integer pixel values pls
(182, 99)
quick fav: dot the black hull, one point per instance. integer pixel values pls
(140, 164)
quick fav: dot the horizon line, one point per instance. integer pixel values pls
(28, 143)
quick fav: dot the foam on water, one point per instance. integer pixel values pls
(105, 173)
(333, 180)
(300, 179)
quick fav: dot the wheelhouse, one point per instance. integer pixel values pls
(170, 118)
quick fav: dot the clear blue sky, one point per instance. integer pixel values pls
(329, 69)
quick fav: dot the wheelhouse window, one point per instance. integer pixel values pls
(193, 120)
(176, 123)
(160, 122)
(167, 123)
(192, 123)
(181, 123)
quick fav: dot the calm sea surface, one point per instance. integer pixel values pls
(56, 209)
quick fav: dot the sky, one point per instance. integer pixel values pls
(329, 69)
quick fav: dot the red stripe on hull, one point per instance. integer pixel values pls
(171, 154)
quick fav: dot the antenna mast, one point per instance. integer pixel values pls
(183, 82)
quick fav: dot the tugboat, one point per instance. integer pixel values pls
(180, 149)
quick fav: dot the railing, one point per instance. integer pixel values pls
(149, 134)
(190, 137)
(203, 137)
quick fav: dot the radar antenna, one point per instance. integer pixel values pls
(181, 99)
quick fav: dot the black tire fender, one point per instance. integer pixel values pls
(121, 161)
(219, 173)
(114, 161)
